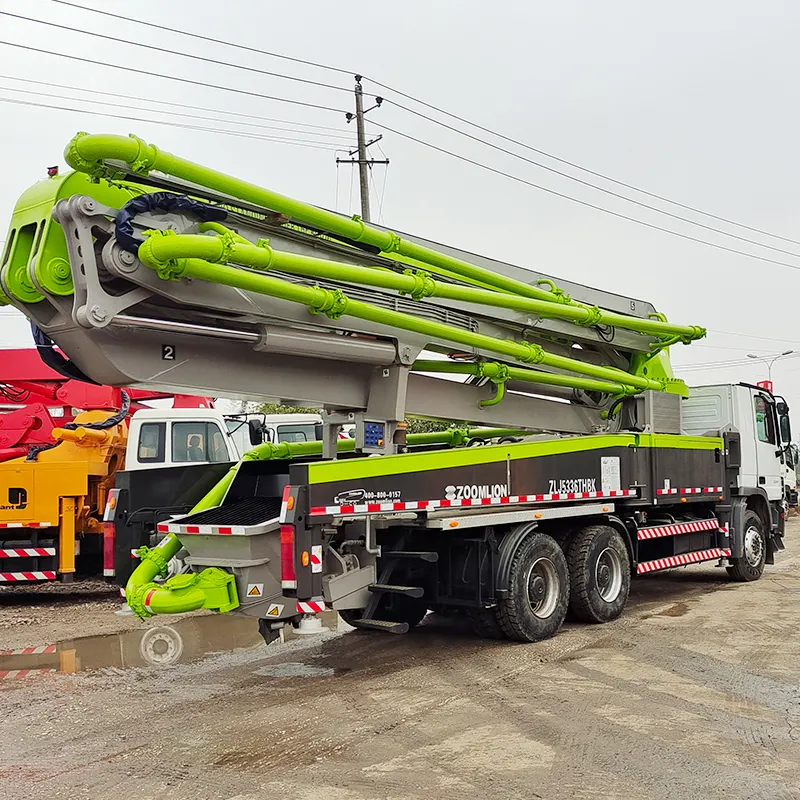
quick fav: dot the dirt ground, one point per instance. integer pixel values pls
(693, 693)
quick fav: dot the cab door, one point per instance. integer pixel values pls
(768, 447)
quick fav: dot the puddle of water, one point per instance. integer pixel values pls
(180, 643)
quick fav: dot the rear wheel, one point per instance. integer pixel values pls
(599, 574)
(750, 566)
(538, 591)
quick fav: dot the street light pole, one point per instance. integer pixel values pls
(769, 361)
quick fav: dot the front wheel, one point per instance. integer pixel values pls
(599, 574)
(538, 591)
(750, 566)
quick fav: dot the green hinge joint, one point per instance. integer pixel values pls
(145, 553)
(332, 302)
(424, 284)
(170, 269)
(535, 353)
(595, 317)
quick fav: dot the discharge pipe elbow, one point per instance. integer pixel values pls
(155, 562)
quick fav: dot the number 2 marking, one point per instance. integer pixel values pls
(167, 352)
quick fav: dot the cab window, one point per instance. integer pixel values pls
(151, 443)
(297, 433)
(198, 441)
(765, 423)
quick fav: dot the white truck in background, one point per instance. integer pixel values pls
(162, 437)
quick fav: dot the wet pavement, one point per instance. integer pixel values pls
(693, 693)
(183, 642)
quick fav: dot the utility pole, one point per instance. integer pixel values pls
(363, 175)
(364, 163)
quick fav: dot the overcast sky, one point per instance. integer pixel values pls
(695, 101)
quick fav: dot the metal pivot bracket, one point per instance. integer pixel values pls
(93, 306)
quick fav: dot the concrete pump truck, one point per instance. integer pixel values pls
(592, 462)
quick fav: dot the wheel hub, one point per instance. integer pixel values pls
(538, 587)
(608, 575)
(753, 546)
(543, 587)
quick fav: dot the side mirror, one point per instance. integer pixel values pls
(786, 428)
(782, 408)
(255, 428)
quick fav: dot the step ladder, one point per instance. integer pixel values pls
(385, 588)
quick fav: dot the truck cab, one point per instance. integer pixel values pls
(170, 437)
(761, 421)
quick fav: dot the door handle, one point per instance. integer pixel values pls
(762, 480)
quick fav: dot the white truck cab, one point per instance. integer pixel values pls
(165, 437)
(762, 421)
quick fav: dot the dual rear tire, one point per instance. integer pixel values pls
(590, 577)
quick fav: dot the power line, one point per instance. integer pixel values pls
(263, 138)
(560, 160)
(412, 138)
(593, 185)
(173, 104)
(203, 84)
(754, 336)
(581, 202)
(158, 49)
(202, 38)
(725, 363)
(431, 106)
(343, 135)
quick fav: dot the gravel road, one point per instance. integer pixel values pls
(693, 693)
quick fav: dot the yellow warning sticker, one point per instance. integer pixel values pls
(275, 610)
(255, 589)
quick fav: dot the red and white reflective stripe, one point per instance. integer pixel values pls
(27, 552)
(685, 558)
(46, 649)
(681, 527)
(428, 505)
(27, 525)
(10, 577)
(225, 530)
(692, 490)
(316, 558)
(311, 606)
(10, 674)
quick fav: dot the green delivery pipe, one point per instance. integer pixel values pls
(417, 285)
(450, 436)
(87, 153)
(174, 255)
(161, 600)
(491, 370)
